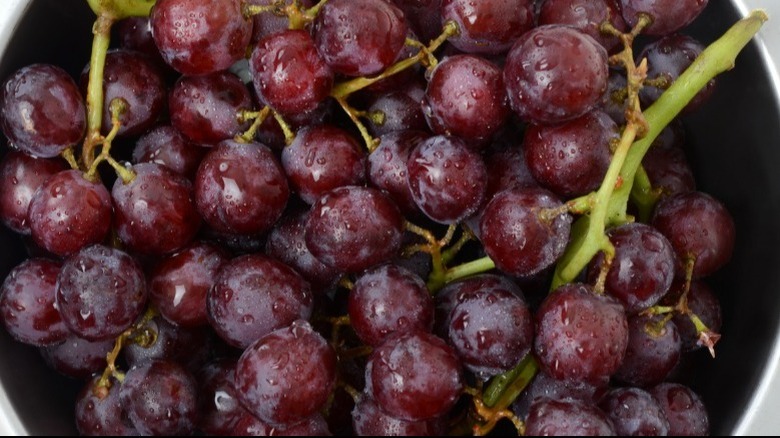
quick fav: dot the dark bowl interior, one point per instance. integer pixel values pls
(732, 148)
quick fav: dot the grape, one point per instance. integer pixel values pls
(205, 108)
(545, 387)
(642, 269)
(188, 347)
(668, 170)
(699, 228)
(135, 33)
(241, 188)
(165, 146)
(287, 375)
(668, 15)
(219, 410)
(76, 357)
(507, 169)
(201, 36)
(580, 335)
(254, 295)
(125, 73)
(160, 398)
(566, 418)
(265, 24)
(555, 73)
(101, 291)
(249, 425)
(703, 303)
(515, 235)
(69, 212)
(288, 73)
(414, 376)
(359, 39)
(683, 408)
(491, 330)
(353, 228)
(96, 416)
(389, 299)
(615, 100)
(424, 16)
(369, 420)
(652, 351)
(587, 16)
(488, 27)
(322, 158)
(667, 58)
(388, 170)
(634, 412)
(571, 158)
(287, 243)
(41, 110)
(178, 285)
(155, 213)
(27, 304)
(466, 98)
(20, 176)
(447, 179)
(400, 112)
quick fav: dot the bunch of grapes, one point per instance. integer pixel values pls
(372, 217)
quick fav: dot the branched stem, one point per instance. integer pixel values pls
(97, 63)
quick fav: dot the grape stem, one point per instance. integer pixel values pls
(97, 63)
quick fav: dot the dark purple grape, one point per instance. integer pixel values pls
(155, 213)
(580, 335)
(545, 387)
(683, 408)
(42, 111)
(287, 243)
(466, 98)
(202, 36)
(178, 285)
(424, 17)
(615, 99)
(369, 420)
(287, 375)
(491, 330)
(101, 291)
(668, 15)
(241, 188)
(266, 23)
(517, 237)
(389, 299)
(78, 358)
(587, 16)
(219, 410)
(160, 398)
(414, 376)
(254, 295)
(165, 146)
(387, 167)
(27, 304)
(96, 416)
(566, 418)
(186, 346)
(126, 72)
(555, 73)
(400, 112)
(288, 73)
(642, 269)
(668, 170)
(652, 353)
(488, 27)
(322, 158)
(20, 176)
(507, 169)
(135, 33)
(353, 228)
(634, 412)
(705, 305)
(69, 212)
(205, 109)
(667, 58)
(359, 39)
(249, 425)
(571, 158)
(448, 180)
(699, 228)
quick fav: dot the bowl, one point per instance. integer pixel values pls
(734, 151)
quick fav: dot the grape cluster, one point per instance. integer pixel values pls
(346, 217)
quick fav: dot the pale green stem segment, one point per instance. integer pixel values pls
(610, 205)
(119, 9)
(505, 388)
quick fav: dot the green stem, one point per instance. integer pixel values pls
(717, 58)
(119, 9)
(97, 63)
(505, 388)
(643, 195)
(473, 267)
